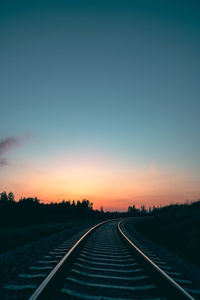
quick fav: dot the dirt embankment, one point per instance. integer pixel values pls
(177, 228)
(17, 236)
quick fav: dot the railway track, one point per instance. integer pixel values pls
(105, 264)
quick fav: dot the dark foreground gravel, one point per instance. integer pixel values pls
(20, 260)
(188, 270)
(15, 262)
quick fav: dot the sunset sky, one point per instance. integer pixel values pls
(100, 100)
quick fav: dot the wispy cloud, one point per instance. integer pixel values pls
(9, 144)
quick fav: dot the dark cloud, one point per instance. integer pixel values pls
(7, 144)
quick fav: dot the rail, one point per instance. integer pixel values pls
(53, 280)
(165, 281)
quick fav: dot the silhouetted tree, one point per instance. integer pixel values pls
(11, 197)
(86, 204)
(29, 201)
(4, 197)
(143, 209)
(132, 211)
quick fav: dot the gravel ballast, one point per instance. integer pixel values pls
(18, 261)
(188, 270)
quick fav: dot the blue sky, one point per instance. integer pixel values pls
(113, 80)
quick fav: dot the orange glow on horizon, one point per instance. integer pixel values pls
(104, 182)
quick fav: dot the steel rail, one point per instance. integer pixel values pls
(44, 289)
(165, 280)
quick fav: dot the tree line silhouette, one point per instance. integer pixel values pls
(31, 211)
(176, 227)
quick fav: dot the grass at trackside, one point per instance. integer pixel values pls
(12, 237)
(180, 236)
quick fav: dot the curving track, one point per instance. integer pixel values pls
(104, 264)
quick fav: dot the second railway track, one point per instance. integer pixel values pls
(104, 264)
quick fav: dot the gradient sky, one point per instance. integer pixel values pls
(100, 99)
